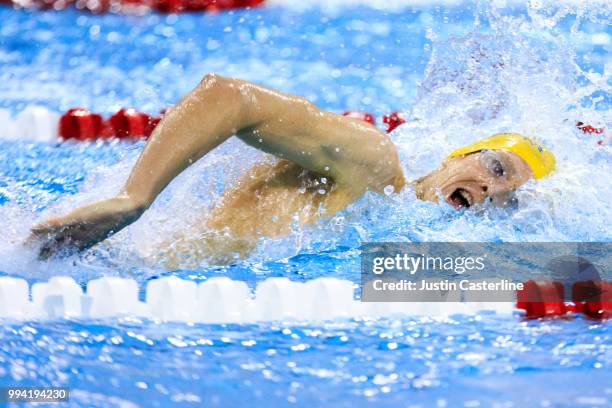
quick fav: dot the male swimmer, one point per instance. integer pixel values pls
(325, 162)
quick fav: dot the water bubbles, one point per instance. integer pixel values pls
(94, 31)
(262, 34)
(300, 347)
(392, 345)
(177, 342)
(602, 38)
(171, 19)
(389, 189)
(535, 4)
(113, 36)
(164, 62)
(116, 340)
(212, 44)
(517, 77)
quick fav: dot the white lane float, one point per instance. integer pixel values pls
(172, 299)
(14, 297)
(60, 297)
(37, 123)
(328, 297)
(114, 297)
(34, 123)
(223, 300)
(216, 300)
(278, 299)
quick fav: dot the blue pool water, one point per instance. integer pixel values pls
(459, 73)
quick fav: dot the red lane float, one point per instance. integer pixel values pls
(541, 299)
(162, 6)
(393, 120)
(588, 128)
(544, 299)
(232, 4)
(128, 123)
(80, 124)
(593, 298)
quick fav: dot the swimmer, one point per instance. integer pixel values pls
(324, 162)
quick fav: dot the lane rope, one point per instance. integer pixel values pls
(135, 6)
(40, 124)
(223, 300)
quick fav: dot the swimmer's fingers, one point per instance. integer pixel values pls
(50, 247)
(39, 233)
(63, 234)
(45, 230)
(85, 226)
(53, 239)
(43, 240)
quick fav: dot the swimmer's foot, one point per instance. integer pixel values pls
(83, 227)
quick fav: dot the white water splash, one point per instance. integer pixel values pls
(519, 75)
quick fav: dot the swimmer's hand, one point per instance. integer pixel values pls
(84, 227)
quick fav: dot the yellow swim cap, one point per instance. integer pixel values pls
(538, 158)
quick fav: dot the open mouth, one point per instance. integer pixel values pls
(460, 198)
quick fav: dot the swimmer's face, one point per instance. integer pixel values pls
(464, 181)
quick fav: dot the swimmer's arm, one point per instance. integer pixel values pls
(354, 154)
